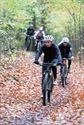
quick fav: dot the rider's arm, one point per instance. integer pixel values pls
(71, 51)
(60, 43)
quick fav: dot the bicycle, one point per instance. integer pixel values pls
(64, 72)
(47, 82)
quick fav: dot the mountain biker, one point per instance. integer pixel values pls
(51, 54)
(66, 50)
(29, 33)
(39, 36)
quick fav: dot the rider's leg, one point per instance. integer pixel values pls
(36, 45)
(28, 46)
(29, 43)
(69, 60)
(54, 69)
(69, 64)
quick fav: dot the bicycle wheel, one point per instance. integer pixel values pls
(45, 89)
(63, 75)
(63, 81)
(50, 87)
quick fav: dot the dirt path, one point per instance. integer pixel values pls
(20, 91)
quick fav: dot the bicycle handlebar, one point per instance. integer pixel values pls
(48, 64)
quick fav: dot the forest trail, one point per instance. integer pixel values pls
(20, 95)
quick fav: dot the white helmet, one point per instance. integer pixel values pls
(48, 38)
(31, 25)
(41, 29)
(65, 39)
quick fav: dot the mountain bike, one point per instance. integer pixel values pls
(47, 82)
(64, 72)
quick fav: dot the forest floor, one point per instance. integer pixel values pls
(20, 95)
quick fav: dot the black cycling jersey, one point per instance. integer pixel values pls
(50, 53)
(30, 31)
(65, 50)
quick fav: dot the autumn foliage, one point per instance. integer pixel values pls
(20, 95)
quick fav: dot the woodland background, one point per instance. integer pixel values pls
(60, 18)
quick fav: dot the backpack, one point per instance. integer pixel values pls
(39, 35)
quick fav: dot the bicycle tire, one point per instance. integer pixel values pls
(63, 81)
(45, 89)
(50, 88)
(64, 75)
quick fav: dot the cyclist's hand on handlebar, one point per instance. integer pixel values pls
(36, 62)
(72, 57)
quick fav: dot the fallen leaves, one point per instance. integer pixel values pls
(20, 95)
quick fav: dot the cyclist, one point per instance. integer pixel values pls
(30, 32)
(66, 50)
(51, 54)
(39, 36)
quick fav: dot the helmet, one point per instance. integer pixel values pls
(31, 25)
(48, 38)
(65, 39)
(41, 29)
